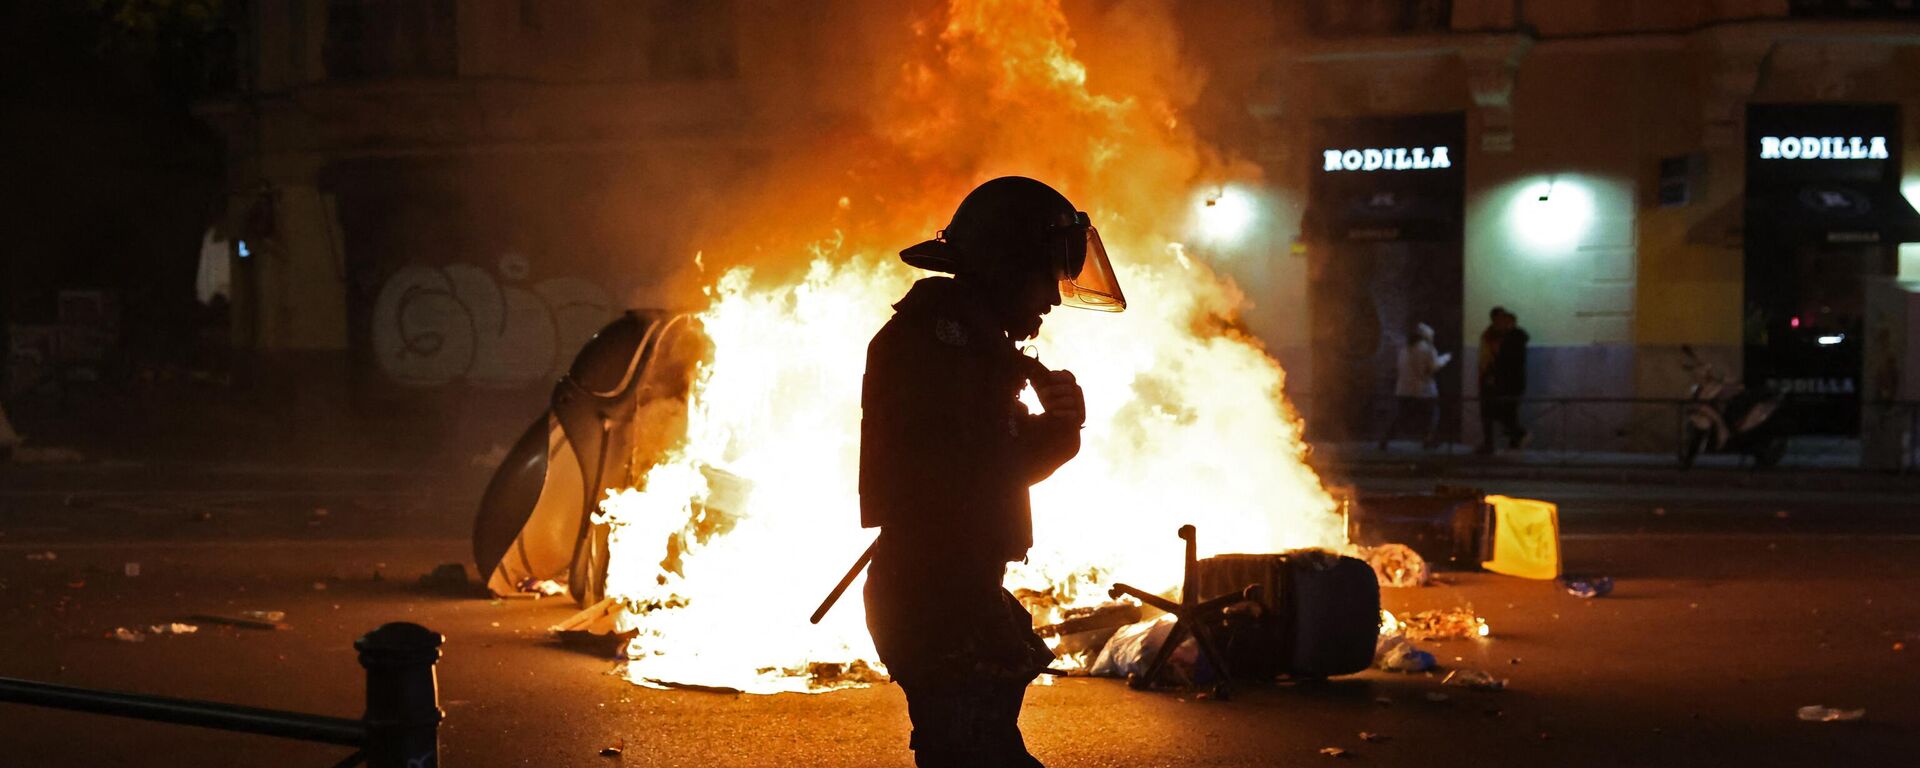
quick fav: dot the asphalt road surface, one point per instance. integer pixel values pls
(1734, 608)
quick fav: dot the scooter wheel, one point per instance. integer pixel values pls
(1692, 442)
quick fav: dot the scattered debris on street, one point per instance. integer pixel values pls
(139, 634)
(1459, 623)
(1587, 586)
(246, 620)
(172, 628)
(604, 628)
(450, 578)
(1398, 565)
(1815, 713)
(1475, 679)
(539, 588)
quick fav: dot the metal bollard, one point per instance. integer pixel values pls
(403, 697)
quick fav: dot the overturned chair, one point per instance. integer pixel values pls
(1304, 614)
(1192, 616)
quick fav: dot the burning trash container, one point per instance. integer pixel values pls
(621, 405)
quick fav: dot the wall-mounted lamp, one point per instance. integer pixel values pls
(1543, 214)
(1226, 215)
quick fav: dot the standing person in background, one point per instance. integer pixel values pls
(1416, 395)
(1503, 379)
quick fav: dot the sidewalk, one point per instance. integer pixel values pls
(181, 436)
(197, 428)
(1819, 467)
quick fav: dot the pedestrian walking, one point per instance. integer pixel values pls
(1503, 379)
(1416, 395)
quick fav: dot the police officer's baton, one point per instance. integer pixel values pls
(845, 581)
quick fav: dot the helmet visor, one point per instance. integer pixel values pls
(1087, 281)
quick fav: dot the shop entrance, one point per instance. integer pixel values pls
(1384, 231)
(1824, 216)
(1813, 344)
(1366, 298)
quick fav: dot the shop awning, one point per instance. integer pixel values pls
(1835, 212)
(1387, 213)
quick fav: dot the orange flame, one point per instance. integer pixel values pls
(1186, 423)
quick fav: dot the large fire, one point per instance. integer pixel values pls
(1186, 422)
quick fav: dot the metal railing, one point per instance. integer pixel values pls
(1591, 430)
(401, 727)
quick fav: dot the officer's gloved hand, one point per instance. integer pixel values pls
(1060, 395)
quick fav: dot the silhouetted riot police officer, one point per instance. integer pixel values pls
(948, 452)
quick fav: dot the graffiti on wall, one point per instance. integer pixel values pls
(434, 326)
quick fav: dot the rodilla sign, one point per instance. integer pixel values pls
(1823, 147)
(1386, 159)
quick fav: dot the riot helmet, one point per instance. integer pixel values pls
(1013, 224)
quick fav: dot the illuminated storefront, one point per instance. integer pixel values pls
(1824, 219)
(1384, 229)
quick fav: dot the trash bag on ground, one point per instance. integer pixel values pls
(1395, 653)
(1132, 648)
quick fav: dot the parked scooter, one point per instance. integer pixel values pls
(1722, 416)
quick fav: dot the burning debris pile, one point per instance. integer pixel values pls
(1186, 421)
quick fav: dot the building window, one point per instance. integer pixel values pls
(371, 39)
(1681, 177)
(1339, 18)
(692, 40)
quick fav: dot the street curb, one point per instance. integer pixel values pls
(1772, 479)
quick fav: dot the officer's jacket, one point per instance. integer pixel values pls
(947, 451)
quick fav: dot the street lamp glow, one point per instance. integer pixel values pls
(1226, 215)
(1551, 213)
